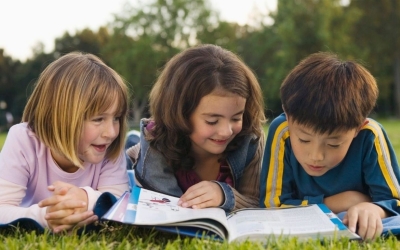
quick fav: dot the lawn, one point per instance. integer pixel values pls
(2, 139)
(128, 237)
(392, 128)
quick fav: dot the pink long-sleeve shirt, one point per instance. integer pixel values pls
(27, 169)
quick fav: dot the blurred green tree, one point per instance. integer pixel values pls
(8, 89)
(301, 28)
(85, 40)
(147, 35)
(25, 77)
(377, 32)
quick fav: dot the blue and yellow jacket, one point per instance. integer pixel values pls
(370, 167)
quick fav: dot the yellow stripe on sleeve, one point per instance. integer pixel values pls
(304, 203)
(384, 157)
(276, 166)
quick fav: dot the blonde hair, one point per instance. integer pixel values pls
(70, 90)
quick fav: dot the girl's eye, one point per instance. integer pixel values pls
(333, 146)
(98, 119)
(211, 123)
(303, 141)
(237, 119)
(117, 118)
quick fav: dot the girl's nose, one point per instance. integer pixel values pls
(111, 130)
(225, 130)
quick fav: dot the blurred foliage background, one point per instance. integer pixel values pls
(141, 39)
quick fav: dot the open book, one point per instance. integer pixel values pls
(147, 208)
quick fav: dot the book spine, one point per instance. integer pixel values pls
(332, 216)
(130, 214)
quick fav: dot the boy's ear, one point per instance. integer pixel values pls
(365, 122)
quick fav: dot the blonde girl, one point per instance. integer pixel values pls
(68, 149)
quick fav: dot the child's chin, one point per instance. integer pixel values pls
(94, 160)
(315, 173)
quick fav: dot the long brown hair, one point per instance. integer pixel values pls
(186, 78)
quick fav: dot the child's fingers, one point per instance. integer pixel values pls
(60, 203)
(60, 187)
(379, 228)
(193, 192)
(73, 220)
(374, 228)
(201, 201)
(345, 220)
(201, 195)
(60, 190)
(51, 201)
(67, 205)
(64, 209)
(59, 195)
(203, 204)
(59, 214)
(352, 219)
(192, 198)
(88, 221)
(362, 224)
(62, 228)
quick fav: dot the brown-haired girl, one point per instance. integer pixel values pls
(204, 140)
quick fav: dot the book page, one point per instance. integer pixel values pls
(280, 221)
(159, 209)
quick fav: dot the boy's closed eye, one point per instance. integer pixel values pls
(303, 141)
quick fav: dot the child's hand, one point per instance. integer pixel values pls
(67, 207)
(367, 217)
(201, 195)
(65, 224)
(65, 197)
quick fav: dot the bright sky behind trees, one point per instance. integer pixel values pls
(26, 23)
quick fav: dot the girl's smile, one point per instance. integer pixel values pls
(98, 134)
(100, 148)
(216, 121)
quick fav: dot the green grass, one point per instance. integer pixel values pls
(130, 237)
(2, 139)
(392, 128)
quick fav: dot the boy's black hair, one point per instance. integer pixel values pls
(327, 94)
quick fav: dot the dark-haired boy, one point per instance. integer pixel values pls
(324, 149)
